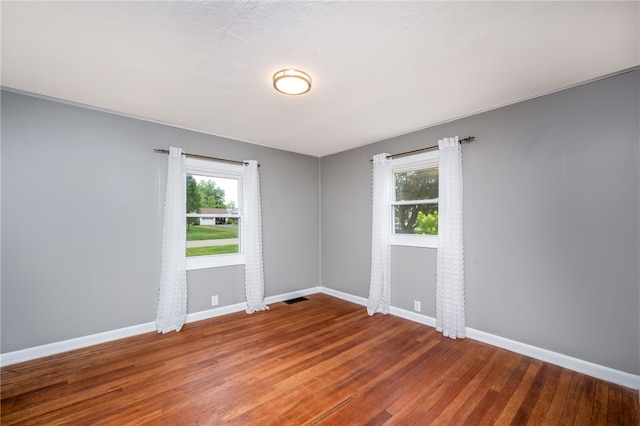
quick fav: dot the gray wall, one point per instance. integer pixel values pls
(551, 222)
(552, 200)
(82, 197)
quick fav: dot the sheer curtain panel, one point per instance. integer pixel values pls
(172, 303)
(450, 309)
(252, 238)
(380, 283)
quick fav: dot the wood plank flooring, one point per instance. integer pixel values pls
(319, 362)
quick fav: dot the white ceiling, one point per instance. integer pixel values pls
(379, 68)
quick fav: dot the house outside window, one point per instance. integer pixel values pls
(415, 200)
(213, 214)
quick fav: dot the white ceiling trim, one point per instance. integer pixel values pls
(379, 68)
(150, 120)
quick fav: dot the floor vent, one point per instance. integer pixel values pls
(296, 300)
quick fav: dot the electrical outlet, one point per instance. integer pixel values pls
(416, 306)
(214, 300)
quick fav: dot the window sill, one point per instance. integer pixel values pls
(428, 241)
(204, 262)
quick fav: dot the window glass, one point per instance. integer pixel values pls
(212, 218)
(416, 201)
(421, 184)
(213, 214)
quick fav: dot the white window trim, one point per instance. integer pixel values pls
(210, 168)
(214, 261)
(412, 162)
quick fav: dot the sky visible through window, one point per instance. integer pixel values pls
(230, 187)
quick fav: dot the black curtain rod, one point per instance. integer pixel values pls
(430, 148)
(244, 163)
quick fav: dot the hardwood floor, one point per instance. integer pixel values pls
(321, 361)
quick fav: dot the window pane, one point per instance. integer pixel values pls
(208, 236)
(416, 219)
(206, 192)
(419, 184)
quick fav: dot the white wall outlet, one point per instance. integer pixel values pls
(214, 300)
(417, 306)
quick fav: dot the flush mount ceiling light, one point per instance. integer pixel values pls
(291, 82)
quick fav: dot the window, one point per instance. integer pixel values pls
(415, 200)
(213, 214)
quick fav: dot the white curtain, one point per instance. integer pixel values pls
(252, 238)
(380, 283)
(172, 303)
(450, 312)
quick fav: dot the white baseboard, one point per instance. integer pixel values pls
(215, 312)
(601, 372)
(581, 366)
(121, 333)
(238, 307)
(413, 316)
(344, 296)
(292, 295)
(71, 344)
(595, 370)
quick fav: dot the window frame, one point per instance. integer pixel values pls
(403, 164)
(216, 169)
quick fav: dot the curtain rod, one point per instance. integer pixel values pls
(244, 163)
(430, 148)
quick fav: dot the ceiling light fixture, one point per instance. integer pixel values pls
(291, 82)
